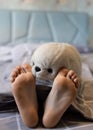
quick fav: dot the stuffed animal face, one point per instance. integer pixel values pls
(49, 58)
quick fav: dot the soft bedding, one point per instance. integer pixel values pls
(10, 56)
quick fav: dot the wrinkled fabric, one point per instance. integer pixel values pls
(10, 56)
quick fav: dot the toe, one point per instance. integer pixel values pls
(15, 73)
(63, 72)
(12, 79)
(27, 67)
(74, 76)
(70, 73)
(76, 81)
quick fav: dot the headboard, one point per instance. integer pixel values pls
(17, 26)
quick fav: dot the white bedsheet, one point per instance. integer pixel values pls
(11, 56)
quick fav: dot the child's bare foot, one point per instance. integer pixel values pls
(60, 97)
(24, 92)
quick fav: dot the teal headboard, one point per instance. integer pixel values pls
(40, 26)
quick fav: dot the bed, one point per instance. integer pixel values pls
(16, 35)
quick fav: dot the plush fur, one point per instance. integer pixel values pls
(49, 58)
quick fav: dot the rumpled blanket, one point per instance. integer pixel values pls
(10, 56)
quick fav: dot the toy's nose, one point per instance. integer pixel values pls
(37, 69)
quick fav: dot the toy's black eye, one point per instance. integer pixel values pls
(50, 70)
(37, 69)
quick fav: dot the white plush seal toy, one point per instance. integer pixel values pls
(49, 58)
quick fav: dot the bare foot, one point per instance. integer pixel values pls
(60, 97)
(24, 92)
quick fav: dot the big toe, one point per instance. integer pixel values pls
(27, 67)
